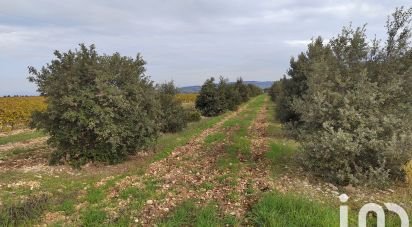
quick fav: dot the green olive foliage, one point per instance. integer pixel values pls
(215, 99)
(100, 107)
(209, 102)
(173, 115)
(350, 104)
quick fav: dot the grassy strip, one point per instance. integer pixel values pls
(16, 152)
(275, 209)
(239, 147)
(282, 150)
(93, 215)
(168, 142)
(188, 214)
(21, 137)
(215, 138)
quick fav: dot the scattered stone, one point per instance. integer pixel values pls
(333, 187)
(350, 189)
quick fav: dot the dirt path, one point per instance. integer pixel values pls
(256, 177)
(190, 173)
(187, 168)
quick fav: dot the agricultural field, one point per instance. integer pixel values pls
(15, 112)
(234, 169)
(186, 98)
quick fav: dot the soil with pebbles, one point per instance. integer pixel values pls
(185, 172)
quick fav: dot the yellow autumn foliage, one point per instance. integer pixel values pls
(187, 98)
(408, 171)
(16, 112)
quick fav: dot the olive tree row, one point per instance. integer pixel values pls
(102, 107)
(348, 102)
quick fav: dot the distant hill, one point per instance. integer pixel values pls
(196, 88)
(189, 89)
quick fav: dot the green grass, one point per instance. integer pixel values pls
(207, 186)
(239, 147)
(139, 196)
(95, 195)
(275, 209)
(215, 137)
(168, 142)
(93, 217)
(278, 210)
(68, 207)
(229, 161)
(16, 152)
(24, 212)
(21, 137)
(275, 129)
(280, 152)
(188, 214)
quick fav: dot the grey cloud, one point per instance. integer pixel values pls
(184, 40)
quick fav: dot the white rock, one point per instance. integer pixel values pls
(343, 198)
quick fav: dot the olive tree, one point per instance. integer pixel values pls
(354, 108)
(99, 107)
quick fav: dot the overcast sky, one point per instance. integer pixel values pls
(183, 40)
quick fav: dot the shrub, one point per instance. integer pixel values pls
(229, 95)
(209, 102)
(222, 90)
(173, 115)
(254, 90)
(275, 90)
(192, 115)
(243, 90)
(233, 98)
(355, 119)
(99, 107)
(215, 99)
(30, 208)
